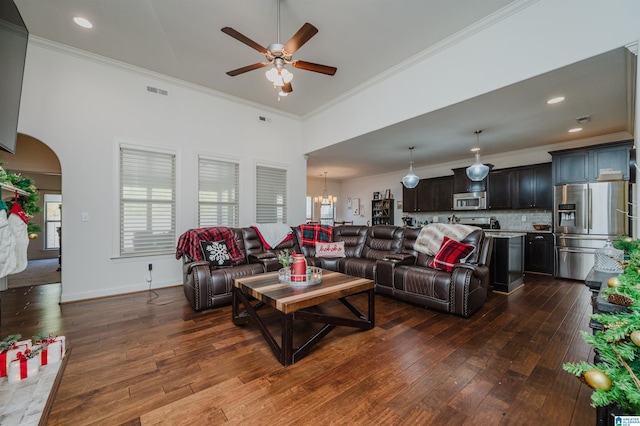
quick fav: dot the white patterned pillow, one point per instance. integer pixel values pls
(330, 249)
(216, 253)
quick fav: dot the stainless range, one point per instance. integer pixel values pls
(486, 222)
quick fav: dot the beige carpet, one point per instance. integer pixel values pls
(42, 271)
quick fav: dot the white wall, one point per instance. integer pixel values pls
(543, 36)
(81, 106)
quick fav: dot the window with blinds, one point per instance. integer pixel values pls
(271, 195)
(217, 193)
(147, 202)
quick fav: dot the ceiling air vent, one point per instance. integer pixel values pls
(156, 90)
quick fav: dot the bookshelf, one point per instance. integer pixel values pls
(382, 212)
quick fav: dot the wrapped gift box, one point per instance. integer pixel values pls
(22, 368)
(53, 349)
(9, 355)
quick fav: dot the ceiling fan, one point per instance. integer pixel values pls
(279, 55)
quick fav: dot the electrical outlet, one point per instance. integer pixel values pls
(524, 218)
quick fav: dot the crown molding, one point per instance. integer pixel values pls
(473, 29)
(122, 66)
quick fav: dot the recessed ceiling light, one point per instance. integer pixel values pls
(84, 23)
(555, 100)
(575, 129)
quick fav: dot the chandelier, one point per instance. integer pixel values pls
(326, 199)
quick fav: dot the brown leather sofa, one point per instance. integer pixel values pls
(383, 253)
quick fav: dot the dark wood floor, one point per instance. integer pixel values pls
(138, 360)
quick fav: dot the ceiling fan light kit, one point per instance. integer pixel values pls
(410, 180)
(279, 55)
(477, 171)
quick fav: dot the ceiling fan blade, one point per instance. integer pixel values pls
(303, 35)
(251, 67)
(244, 39)
(287, 88)
(310, 66)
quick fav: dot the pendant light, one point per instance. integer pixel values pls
(326, 199)
(477, 171)
(410, 180)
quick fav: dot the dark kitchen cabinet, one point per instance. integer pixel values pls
(571, 167)
(443, 193)
(583, 165)
(614, 157)
(538, 252)
(430, 195)
(410, 199)
(500, 189)
(413, 200)
(462, 183)
(533, 188)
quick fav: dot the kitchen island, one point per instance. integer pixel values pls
(507, 262)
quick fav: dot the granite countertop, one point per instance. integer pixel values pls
(505, 234)
(527, 231)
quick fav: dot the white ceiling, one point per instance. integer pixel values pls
(362, 38)
(512, 118)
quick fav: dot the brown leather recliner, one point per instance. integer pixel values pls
(205, 287)
(209, 288)
(380, 241)
(462, 291)
(384, 253)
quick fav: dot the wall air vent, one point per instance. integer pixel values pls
(158, 91)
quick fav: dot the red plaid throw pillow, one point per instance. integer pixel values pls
(450, 253)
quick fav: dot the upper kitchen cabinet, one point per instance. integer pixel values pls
(533, 189)
(409, 199)
(571, 167)
(430, 195)
(499, 191)
(462, 183)
(443, 193)
(617, 157)
(583, 165)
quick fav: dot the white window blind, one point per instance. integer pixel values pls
(271, 195)
(217, 193)
(147, 202)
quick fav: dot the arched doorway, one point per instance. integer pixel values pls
(34, 159)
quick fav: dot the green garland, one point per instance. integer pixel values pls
(618, 344)
(28, 202)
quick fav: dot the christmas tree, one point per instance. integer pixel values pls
(615, 377)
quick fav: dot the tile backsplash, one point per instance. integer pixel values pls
(510, 220)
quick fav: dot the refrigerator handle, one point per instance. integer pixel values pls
(585, 208)
(590, 207)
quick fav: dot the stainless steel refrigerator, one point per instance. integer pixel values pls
(585, 217)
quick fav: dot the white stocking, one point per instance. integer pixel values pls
(7, 246)
(18, 226)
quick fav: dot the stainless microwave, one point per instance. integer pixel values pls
(470, 201)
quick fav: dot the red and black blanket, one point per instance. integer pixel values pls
(189, 243)
(313, 233)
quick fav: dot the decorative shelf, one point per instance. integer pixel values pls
(13, 189)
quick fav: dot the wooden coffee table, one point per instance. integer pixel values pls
(292, 303)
